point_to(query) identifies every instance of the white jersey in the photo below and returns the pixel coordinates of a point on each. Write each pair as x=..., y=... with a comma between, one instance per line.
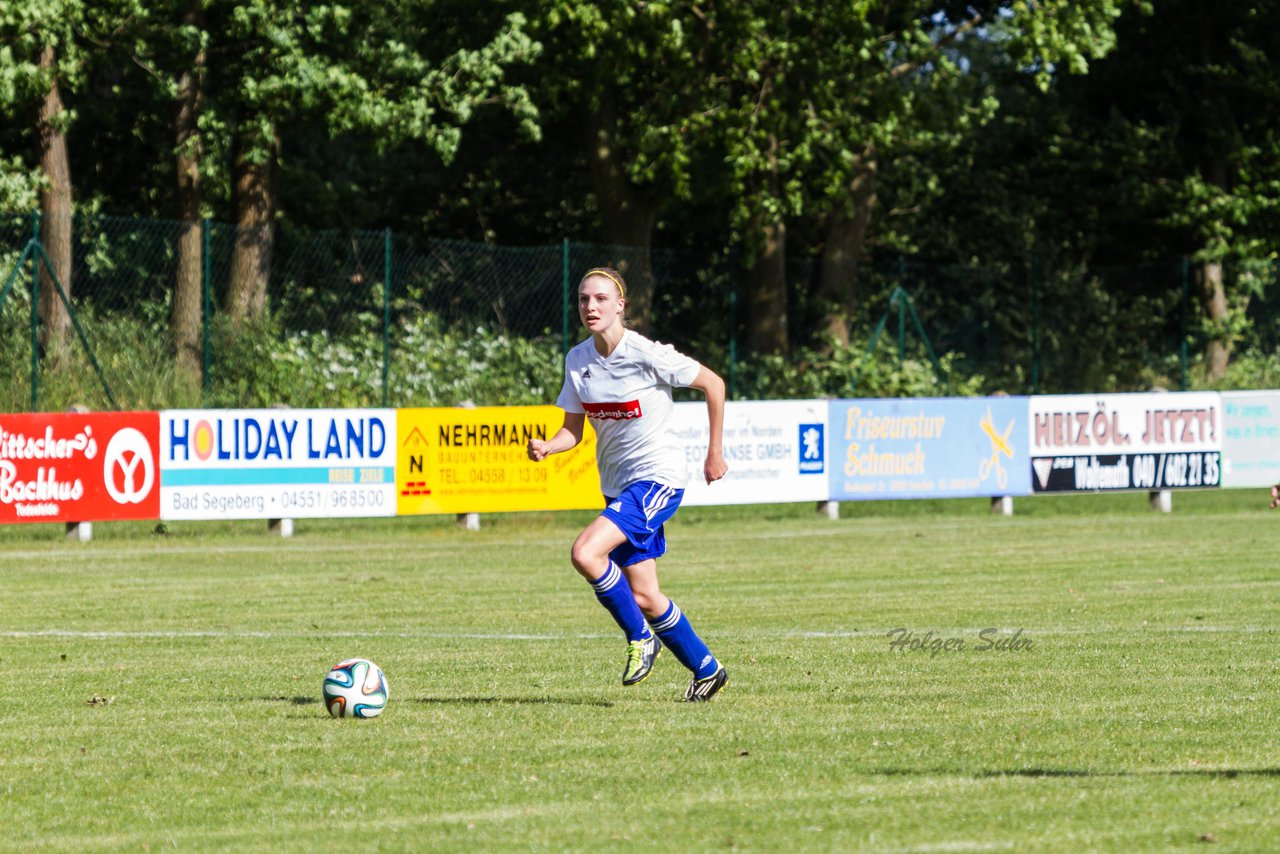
x=627, y=396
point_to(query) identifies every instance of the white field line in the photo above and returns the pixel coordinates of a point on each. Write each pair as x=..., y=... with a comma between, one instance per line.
x=798, y=634
x=395, y=544
x=102, y=552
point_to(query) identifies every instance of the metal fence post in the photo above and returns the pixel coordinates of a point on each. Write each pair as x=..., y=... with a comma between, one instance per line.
x=733, y=327
x=1182, y=344
x=902, y=313
x=386, y=313
x=1033, y=281
x=564, y=297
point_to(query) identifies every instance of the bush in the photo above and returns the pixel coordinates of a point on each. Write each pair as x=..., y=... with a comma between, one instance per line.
x=430, y=365
x=847, y=372
x=133, y=354
x=433, y=364
x=1246, y=370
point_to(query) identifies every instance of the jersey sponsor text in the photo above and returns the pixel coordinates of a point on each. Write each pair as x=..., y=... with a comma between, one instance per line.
x=620, y=411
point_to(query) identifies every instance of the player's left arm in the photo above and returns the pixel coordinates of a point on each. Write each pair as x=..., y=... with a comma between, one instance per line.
x=709, y=383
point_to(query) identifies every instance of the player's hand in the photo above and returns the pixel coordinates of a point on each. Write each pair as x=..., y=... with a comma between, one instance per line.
x=1275, y=496
x=537, y=449
x=715, y=467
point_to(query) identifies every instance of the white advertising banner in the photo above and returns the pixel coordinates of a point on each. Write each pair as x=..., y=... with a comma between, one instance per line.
x=277, y=463
x=1103, y=442
x=776, y=451
x=1251, y=450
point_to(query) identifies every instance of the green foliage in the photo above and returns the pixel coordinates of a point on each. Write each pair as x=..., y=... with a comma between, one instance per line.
x=434, y=363
x=646, y=71
x=1249, y=369
x=135, y=360
x=851, y=372
x=431, y=365
x=395, y=71
x=988, y=142
x=26, y=28
x=437, y=366
x=18, y=185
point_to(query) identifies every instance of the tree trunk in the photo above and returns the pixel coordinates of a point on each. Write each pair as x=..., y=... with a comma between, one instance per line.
x=55, y=211
x=255, y=230
x=188, y=288
x=1213, y=302
x=766, y=277
x=1213, y=293
x=627, y=213
x=766, y=281
x=846, y=237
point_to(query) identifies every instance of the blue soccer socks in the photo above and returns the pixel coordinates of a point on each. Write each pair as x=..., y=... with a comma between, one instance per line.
x=672, y=628
x=615, y=595
x=677, y=634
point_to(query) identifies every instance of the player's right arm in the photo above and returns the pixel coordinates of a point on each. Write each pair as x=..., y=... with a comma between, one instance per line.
x=566, y=438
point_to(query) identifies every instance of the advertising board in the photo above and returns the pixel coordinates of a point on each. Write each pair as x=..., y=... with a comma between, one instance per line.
x=474, y=461
x=78, y=467
x=1251, y=441
x=927, y=448
x=776, y=451
x=1110, y=442
x=277, y=463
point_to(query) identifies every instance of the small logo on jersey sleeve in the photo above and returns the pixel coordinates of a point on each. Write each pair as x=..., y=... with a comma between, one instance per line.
x=812, y=451
x=586, y=373
x=620, y=411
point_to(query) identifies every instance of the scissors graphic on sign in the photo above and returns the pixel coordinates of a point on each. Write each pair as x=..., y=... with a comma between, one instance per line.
x=999, y=445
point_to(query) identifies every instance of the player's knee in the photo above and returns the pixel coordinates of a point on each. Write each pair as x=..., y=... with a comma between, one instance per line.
x=648, y=601
x=586, y=560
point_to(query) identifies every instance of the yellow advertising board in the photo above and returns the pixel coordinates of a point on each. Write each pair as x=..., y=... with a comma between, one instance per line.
x=474, y=461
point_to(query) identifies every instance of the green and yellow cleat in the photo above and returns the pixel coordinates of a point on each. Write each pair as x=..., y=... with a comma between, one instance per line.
x=641, y=655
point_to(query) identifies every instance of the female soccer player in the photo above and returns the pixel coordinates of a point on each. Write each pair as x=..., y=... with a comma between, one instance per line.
x=622, y=381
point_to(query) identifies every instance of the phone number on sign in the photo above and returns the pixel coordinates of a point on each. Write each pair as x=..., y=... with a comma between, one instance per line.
x=1155, y=471
x=332, y=499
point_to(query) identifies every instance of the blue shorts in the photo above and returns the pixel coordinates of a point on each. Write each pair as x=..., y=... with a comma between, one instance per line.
x=639, y=512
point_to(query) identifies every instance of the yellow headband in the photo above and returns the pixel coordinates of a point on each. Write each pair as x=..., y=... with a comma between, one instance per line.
x=601, y=271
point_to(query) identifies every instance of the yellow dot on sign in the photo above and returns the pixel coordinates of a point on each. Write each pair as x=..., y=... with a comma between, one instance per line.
x=203, y=440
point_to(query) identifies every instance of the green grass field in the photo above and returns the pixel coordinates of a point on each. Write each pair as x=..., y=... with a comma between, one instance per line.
x=163, y=689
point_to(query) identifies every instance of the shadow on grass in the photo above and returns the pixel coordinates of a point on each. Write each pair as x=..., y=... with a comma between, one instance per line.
x=511, y=701
x=464, y=701
x=1224, y=773
x=297, y=701
x=1050, y=773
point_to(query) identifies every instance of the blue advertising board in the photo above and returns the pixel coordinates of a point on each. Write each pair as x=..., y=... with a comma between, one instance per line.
x=928, y=448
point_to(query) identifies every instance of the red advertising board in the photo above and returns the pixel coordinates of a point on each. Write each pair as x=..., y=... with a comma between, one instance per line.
x=72, y=467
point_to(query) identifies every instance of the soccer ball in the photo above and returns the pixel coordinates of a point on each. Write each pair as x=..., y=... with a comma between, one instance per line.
x=355, y=688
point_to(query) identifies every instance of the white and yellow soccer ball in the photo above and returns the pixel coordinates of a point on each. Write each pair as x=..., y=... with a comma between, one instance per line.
x=355, y=688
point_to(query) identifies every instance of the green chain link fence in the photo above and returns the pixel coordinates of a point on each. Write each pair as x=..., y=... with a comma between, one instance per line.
x=370, y=318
